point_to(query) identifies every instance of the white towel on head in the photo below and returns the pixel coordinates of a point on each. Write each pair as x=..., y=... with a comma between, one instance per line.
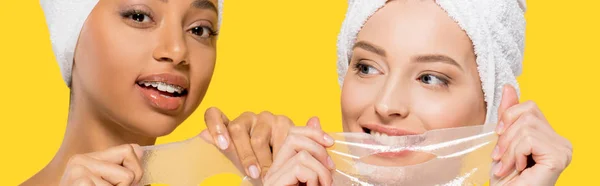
x=496, y=28
x=65, y=19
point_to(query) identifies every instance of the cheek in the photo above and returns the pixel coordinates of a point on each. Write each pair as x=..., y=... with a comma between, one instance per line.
x=114, y=63
x=109, y=58
x=446, y=110
x=202, y=64
x=355, y=99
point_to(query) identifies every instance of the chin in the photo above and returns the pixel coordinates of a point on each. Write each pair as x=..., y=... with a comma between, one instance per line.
x=154, y=126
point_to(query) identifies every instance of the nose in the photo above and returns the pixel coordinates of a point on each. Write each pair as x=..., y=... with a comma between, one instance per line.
x=393, y=102
x=172, y=46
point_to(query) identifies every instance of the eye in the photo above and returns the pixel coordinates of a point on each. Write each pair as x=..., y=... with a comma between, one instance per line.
x=433, y=80
x=202, y=31
x=138, y=17
x=366, y=69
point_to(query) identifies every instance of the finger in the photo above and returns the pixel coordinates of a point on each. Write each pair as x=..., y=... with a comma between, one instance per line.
x=314, y=122
x=298, y=143
x=514, y=113
x=100, y=182
x=305, y=175
x=112, y=173
x=216, y=123
x=308, y=160
x=127, y=155
x=260, y=140
x=515, y=181
x=507, y=144
x=547, y=167
x=279, y=132
x=314, y=173
x=519, y=128
x=315, y=134
x=294, y=176
x=90, y=181
x=527, y=124
x=239, y=129
x=74, y=172
x=543, y=153
x=324, y=174
x=318, y=150
x=520, y=149
x=78, y=175
x=509, y=99
x=85, y=181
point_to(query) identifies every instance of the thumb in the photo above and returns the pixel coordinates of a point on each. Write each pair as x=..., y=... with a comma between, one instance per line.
x=509, y=99
x=314, y=123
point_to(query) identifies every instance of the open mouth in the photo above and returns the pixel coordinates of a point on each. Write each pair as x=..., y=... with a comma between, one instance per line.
x=163, y=88
x=165, y=92
x=379, y=137
x=385, y=135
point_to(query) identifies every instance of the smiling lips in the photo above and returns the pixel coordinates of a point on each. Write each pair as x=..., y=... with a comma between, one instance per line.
x=381, y=134
x=166, y=92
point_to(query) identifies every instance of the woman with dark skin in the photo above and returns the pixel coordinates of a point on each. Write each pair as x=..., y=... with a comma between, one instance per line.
x=141, y=67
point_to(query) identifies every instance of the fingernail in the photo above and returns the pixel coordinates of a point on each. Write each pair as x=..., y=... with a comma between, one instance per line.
x=500, y=127
x=253, y=171
x=328, y=139
x=495, y=152
x=330, y=162
x=497, y=168
x=222, y=142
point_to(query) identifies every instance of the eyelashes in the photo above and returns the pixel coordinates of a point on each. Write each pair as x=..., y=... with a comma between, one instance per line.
x=141, y=17
x=138, y=17
x=204, y=31
x=430, y=79
x=364, y=69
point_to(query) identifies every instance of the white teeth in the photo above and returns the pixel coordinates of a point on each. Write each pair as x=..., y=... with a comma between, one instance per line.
x=164, y=87
x=170, y=89
x=382, y=138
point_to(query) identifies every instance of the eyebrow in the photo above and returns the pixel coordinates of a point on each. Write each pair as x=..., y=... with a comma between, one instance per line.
x=205, y=4
x=369, y=47
x=201, y=4
x=436, y=58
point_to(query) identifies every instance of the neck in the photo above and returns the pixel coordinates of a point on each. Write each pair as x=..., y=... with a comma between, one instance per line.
x=88, y=130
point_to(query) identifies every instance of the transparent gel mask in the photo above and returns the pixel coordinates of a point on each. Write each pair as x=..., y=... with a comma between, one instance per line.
x=452, y=156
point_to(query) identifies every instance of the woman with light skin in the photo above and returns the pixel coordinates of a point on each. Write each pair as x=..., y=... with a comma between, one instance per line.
x=139, y=69
x=412, y=68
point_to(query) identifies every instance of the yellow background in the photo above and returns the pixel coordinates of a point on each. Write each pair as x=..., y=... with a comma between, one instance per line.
x=280, y=56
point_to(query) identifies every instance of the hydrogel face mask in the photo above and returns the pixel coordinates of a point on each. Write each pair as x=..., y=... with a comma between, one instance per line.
x=452, y=156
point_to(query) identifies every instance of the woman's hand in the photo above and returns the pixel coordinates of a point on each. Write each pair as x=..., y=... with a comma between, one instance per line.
x=303, y=158
x=256, y=138
x=114, y=166
x=524, y=134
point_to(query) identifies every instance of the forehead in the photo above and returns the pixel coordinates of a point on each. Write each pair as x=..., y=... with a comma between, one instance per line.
x=411, y=27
